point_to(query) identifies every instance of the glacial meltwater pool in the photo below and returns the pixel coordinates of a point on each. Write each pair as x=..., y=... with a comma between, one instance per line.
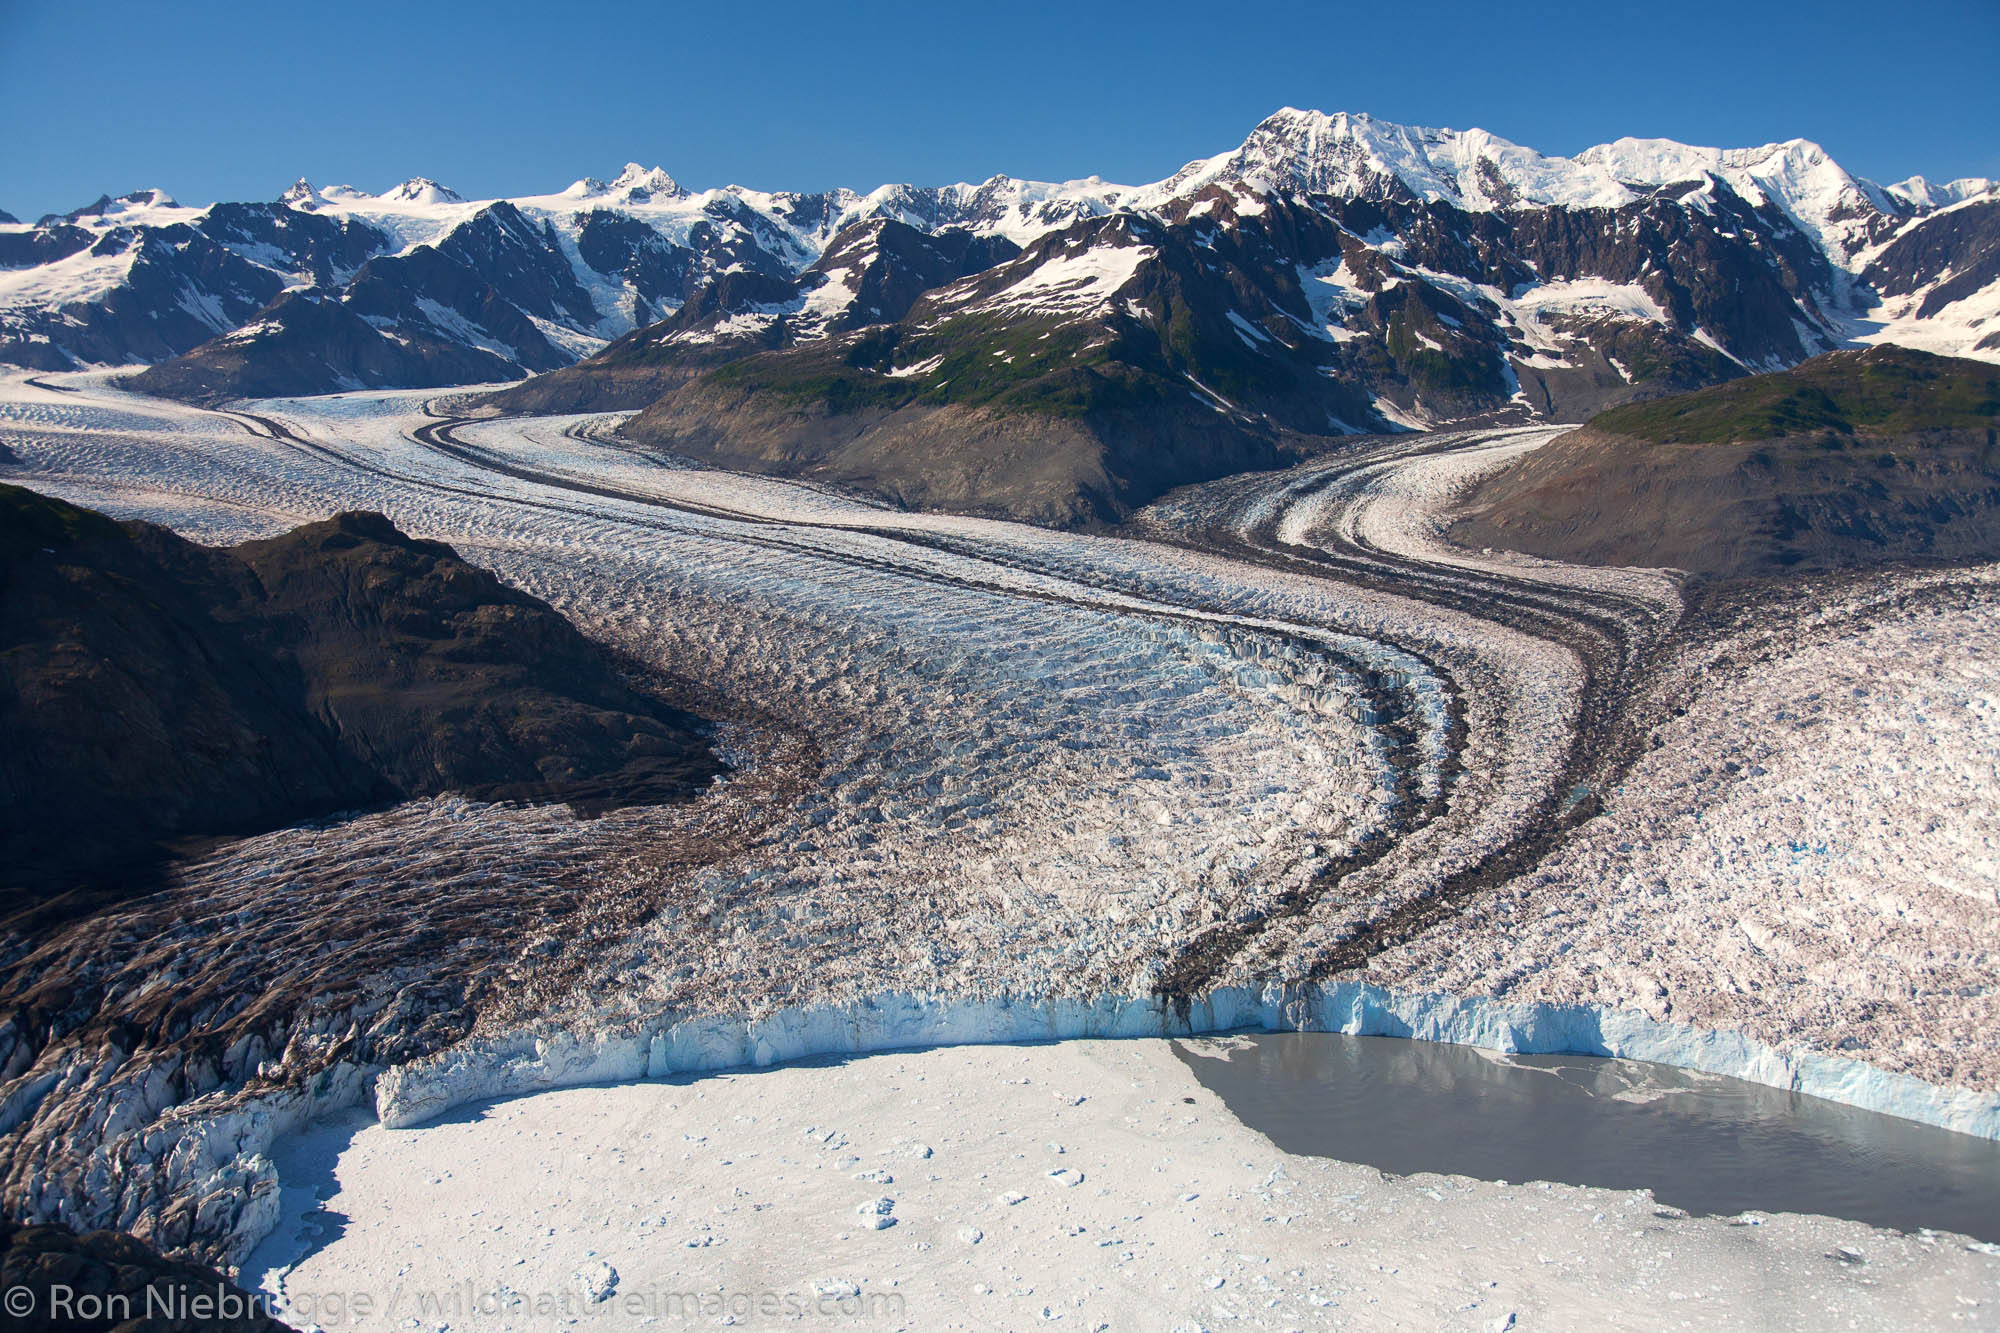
x=1701, y=1142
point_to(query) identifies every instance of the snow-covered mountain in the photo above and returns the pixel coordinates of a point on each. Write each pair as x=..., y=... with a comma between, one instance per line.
x=1569, y=281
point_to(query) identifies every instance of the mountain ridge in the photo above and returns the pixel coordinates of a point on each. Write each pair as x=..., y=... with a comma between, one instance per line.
x=1330, y=275
x=642, y=243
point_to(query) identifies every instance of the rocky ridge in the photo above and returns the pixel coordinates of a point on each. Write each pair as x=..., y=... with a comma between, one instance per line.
x=155, y=691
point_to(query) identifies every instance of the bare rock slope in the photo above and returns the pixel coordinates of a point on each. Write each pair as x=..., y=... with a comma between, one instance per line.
x=155, y=690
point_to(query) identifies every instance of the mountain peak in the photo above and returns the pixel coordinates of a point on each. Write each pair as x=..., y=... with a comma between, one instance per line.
x=635, y=185
x=147, y=199
x=1354, y=155
x=640, y=183
x=1797, y=175
x=1925, y=195
x=1358, y=156
x=302, y=196
x=104, y=206
x=1668, y=161
x=422, y=190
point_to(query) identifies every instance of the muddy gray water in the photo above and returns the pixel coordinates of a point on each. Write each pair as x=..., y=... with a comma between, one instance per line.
x=1698, y=1141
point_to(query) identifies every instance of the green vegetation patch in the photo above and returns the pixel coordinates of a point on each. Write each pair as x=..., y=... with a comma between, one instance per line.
x=1883, y=391
x=818, y=376
x=1041, y=367
x=1427, y=367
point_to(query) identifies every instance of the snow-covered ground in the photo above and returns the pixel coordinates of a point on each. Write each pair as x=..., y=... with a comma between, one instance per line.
x=1089, y=1185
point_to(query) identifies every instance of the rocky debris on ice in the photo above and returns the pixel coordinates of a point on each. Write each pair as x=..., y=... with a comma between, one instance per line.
x=1806, y=855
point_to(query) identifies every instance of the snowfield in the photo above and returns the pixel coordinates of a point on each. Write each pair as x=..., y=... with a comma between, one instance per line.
x=1284, y=757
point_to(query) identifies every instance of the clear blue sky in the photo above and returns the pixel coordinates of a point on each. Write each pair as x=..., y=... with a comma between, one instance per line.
x=226, y=100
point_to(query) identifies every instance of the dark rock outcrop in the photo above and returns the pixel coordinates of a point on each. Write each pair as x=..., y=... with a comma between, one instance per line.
x=428, y=318
x=330, y=250
x=501, y=249
x=308, y=342
x=179, y=289
x=152, y=690
x=1956, y=254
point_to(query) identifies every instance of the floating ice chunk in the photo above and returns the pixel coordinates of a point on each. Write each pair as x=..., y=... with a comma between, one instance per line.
x=598, y=1281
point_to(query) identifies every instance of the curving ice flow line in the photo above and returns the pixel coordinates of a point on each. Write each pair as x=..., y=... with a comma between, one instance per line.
x=1377, y=515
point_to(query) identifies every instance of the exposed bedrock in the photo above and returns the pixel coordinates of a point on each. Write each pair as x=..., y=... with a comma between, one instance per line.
x=155, y=690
